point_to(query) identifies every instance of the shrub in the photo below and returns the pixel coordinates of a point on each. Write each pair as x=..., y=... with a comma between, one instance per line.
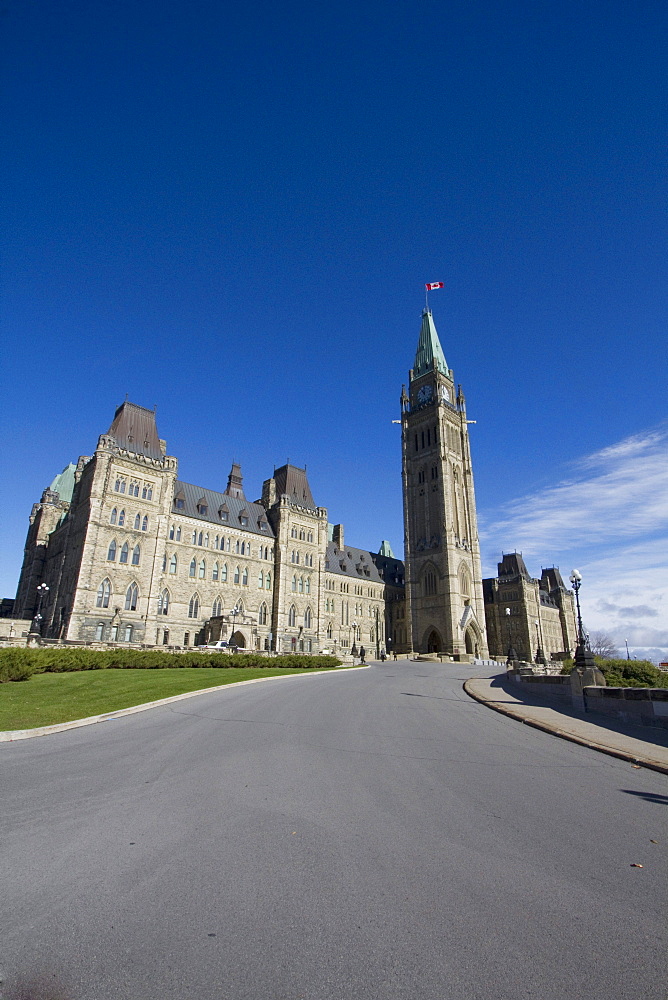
x=14, y=666
x=627, y=673
x=24, y=661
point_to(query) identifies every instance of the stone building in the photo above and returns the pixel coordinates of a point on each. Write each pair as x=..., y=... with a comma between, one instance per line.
x=131, y=553
x=528, y=615
x=444, y=606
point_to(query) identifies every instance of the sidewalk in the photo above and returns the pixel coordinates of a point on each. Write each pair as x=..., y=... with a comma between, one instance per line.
x=607, y=735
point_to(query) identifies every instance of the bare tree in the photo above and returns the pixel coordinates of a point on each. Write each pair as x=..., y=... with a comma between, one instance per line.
x=602, y=645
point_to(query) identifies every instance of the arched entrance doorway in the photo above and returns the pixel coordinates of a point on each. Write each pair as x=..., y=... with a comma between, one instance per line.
x=238, y=640
x=471, y=640
x=434, y=642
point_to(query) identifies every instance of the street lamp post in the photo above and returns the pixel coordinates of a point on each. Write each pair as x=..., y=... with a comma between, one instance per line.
x=377, y=636
x=540, y=656
x=583, y=654
x=36, y=627
x=628, y=655
x=512, y=652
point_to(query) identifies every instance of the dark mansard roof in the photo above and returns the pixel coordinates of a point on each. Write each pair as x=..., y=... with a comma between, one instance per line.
x=134, y=430
x=292, y=482
x=360, y=565
x=220, y=509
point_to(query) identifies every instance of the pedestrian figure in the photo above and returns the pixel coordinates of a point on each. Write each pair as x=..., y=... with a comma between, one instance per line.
x=362, y=654
x=395, y=654
x=383, y=657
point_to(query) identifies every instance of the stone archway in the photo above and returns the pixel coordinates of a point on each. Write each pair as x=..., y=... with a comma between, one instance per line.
x=434, y=642
x=469, y=640
x=238, y=639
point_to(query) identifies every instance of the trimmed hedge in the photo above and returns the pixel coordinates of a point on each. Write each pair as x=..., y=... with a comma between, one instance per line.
x=20, y=664
x=627, y=673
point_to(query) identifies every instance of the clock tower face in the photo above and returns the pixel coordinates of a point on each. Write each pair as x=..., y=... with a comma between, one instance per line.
x=425, y=394
x=445, y=394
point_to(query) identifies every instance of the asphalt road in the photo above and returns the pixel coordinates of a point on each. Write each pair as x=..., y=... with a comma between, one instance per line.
x=373, y=835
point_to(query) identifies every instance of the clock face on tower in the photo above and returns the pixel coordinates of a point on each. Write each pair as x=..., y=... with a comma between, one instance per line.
x=424, y=394
x=445, y=394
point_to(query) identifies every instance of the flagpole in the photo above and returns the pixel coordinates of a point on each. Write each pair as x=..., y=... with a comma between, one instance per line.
x=426, y=297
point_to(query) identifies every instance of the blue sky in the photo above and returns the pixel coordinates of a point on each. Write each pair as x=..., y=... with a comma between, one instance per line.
x=230, y=211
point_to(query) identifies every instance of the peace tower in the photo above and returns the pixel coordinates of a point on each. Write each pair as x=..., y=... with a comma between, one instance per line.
x=444, y=599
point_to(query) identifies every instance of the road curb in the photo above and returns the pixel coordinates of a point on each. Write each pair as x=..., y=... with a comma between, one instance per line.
x=13, y=735
x=563, y=734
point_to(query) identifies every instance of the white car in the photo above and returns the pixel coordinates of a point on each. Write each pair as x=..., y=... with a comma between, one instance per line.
x=221, y=646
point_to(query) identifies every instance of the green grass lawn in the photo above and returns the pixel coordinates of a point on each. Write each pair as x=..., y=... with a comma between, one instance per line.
x=49, y=698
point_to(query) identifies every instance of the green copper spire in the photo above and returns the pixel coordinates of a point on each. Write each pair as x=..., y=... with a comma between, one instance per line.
x=429, y=354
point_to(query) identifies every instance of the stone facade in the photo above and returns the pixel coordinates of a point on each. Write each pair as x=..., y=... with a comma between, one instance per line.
x=527, y=614
x=444, y=610
x=132, y=554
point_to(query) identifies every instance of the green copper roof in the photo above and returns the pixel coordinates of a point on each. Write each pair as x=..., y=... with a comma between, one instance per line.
x=429, y=354
x=386, y=550
x=63, y=484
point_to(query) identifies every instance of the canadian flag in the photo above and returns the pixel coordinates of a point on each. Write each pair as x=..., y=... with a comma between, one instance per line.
x=431, y=285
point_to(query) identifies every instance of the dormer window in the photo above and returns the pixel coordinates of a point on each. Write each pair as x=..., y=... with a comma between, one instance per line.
x=243, y=518
x=223, y=513
x=262, y=525
x=202, y=507
x=179, y=501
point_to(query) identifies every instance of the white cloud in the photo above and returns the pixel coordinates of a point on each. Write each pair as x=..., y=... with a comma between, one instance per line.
x=610, y=519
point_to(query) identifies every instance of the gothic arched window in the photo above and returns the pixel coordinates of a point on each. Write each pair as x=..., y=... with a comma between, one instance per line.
x=244, y=578
x=193, y=606
x=111, y=554
x=307, y=618
x=131, y=597
x=144, y=524
x=103, y=594
x=192, y=571
x=114, y=515
x=121, y=519
x=124, y=553
x=136, y=553
x=137, y=522
x=292, y=616
x=173, y=563
x=215, y=572
x=217, y=608
x=202, y=569
x=262, y=614
x=163, y=603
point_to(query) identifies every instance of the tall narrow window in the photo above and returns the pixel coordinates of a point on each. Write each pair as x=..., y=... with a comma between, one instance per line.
x=217, y=609
x=214, y=573
x=124, y=553
x=178, y=534
x=144, y=524
x=267, y=583
x=300, y=585
x=128, y=633
x=292, y=616
x=131, y=597
x=99, y=632
x=294, y=584
x=260, y=580
x=173, y=564
x=262, y=614
x=163, y=603
x=121, y=519
x=202, y=569
x=307, y=585
x=136, y=553
x=244, y=578
x=192, y=571
x=137, y=522
x=114, y=515
x=199, y=538
x=111, y=554
x=237, y=575
x=171, y=533
x=223, y=573
x=103, y=594
x=193, y=606
x=307, y=618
